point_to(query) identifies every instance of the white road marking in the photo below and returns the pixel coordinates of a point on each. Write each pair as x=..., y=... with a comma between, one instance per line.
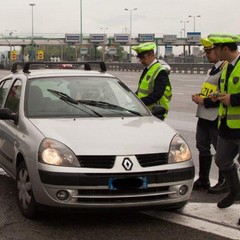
x=205, y=217
x=180, y=93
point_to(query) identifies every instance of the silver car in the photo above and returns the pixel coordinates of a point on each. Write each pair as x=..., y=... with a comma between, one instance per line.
x=80, y=138
x=165, y=65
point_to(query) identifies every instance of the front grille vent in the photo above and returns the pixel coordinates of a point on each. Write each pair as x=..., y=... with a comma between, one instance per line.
x=107, y=162
x=96, y=161
x=151, y=160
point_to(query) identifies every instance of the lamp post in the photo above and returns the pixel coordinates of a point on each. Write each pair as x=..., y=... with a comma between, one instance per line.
x=181, y=32
x=130, y=50
x=104, y=29
x=184, y=27
x=10, y=32
x=194, y=17
x=81, y=35
x=103, y=49
x=81, y=22
x=32, y=52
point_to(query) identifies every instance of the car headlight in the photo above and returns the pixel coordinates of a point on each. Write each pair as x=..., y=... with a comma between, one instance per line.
x=53, y=152
x=179, y=150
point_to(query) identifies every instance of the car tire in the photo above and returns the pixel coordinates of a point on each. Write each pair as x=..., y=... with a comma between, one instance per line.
x=25, y=197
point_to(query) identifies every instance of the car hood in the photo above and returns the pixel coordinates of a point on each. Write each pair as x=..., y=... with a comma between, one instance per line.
x=109, y=136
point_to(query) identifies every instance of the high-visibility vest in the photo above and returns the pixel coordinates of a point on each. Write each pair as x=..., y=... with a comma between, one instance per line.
x=147, y=85
x=232, y=114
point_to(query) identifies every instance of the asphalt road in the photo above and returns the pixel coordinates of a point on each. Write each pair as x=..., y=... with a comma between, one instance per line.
x=200, y=219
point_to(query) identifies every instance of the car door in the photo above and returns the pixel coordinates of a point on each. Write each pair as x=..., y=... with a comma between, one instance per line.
x=9, y=129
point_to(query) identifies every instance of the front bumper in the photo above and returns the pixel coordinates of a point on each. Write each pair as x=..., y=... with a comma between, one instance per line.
x=96, y=190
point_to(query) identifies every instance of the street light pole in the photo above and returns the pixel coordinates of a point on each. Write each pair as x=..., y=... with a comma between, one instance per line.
x=104, y=29
x=81, y=35
x=194, y=17
x=81, y=21
x=32, y=5
x=10, y=32
x=184, y=27
x=103, y=49
x=130, y=49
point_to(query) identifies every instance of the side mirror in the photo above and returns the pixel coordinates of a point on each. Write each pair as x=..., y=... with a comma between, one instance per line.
x=158, y=111
x=6, y=114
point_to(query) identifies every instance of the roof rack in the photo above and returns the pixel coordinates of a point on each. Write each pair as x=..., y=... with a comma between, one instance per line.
x=87, y=65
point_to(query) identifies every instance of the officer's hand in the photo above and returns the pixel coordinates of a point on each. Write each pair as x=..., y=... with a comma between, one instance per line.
x=213, y=97
x=197, y=99
x=225, y=99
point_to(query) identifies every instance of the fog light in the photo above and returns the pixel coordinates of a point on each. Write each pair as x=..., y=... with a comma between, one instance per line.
x=183, y=190
x=62, y=195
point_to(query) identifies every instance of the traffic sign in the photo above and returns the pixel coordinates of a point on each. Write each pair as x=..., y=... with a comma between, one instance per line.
x=169, y=38
x=112, y=51
x=97, y=38
x=40, y=55
x=194, y=37
x=72, y=38
x=13, y=55
x=84, y=51
x=168, y=50
x=121, y=38
x=146, y=37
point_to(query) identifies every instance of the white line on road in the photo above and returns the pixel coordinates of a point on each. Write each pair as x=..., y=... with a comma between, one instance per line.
x=179, y=93
x=205, y=217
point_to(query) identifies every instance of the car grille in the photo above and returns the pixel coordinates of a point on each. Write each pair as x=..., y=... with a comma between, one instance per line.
x=145, y=160
x=150, y=160
x=123, y=196
x=96, y=161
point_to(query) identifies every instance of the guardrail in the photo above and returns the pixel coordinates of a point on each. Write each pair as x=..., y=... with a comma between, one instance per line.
x=175, y=67
x=190, y=68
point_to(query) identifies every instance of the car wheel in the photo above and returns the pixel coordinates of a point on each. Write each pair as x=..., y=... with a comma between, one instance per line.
x=25, y=196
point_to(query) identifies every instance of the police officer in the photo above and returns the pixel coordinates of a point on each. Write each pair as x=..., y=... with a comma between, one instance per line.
x=228, y=146
x=207, y=131
x=154, y=87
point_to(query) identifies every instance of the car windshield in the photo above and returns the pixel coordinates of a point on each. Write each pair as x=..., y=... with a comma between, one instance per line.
x=82, y=96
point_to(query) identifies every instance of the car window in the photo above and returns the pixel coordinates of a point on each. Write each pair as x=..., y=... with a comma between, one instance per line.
x=4, y=87
x=55, y=97
x=13, y=97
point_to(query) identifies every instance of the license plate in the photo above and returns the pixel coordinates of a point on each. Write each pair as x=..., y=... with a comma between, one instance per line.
x=128, y=183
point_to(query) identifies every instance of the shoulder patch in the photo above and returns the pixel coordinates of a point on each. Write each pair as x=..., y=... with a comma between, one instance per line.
x=235, y=80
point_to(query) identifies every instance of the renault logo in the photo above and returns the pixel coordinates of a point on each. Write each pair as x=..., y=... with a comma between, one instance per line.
x=127, y=164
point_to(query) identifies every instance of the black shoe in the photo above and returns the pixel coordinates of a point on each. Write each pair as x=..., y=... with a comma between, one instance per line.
x=220, y=187
x=229, y=200
x=199, y=185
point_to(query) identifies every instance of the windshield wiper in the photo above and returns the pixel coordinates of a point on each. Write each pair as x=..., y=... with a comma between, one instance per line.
x=68, y=99
x=63, y=96
x=107, y=106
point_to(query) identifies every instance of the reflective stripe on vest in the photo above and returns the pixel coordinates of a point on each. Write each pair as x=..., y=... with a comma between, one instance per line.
x=231, y=113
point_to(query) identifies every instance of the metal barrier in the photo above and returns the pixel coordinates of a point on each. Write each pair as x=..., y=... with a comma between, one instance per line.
x=190, y=67
x=175, y=67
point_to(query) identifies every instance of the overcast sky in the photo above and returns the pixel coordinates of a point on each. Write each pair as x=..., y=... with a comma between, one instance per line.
x=152, y=16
